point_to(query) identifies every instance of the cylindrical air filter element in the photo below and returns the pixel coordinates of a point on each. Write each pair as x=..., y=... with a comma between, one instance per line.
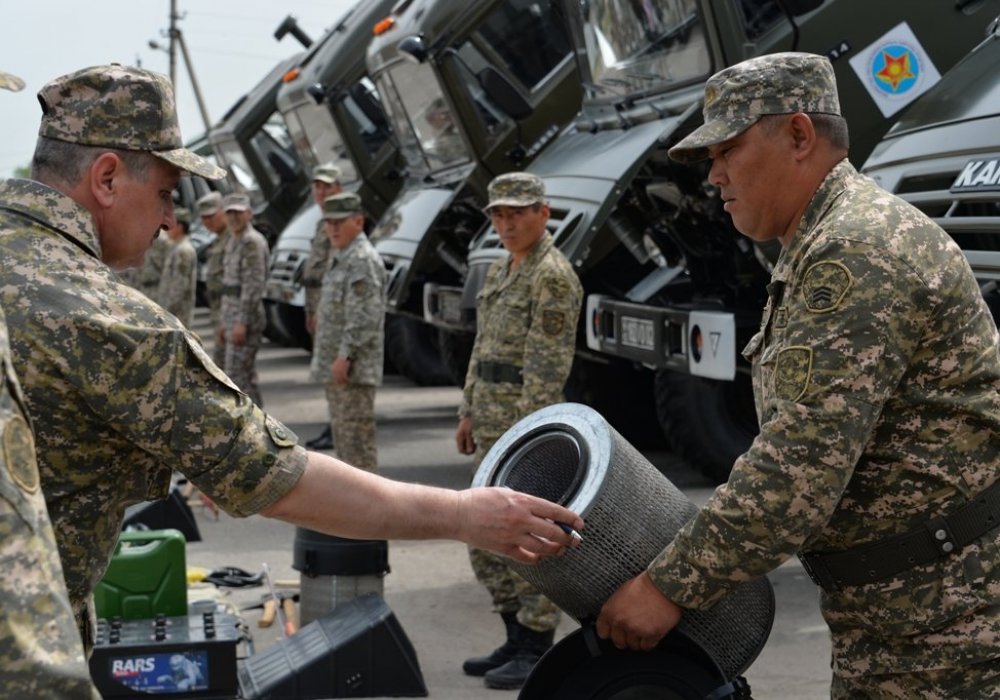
x=568, y=454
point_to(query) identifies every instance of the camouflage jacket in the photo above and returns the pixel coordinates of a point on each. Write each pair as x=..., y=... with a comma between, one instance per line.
x=213, y=276
x=179, y=279
x=315, y=267
x=40, y=650
x=244, y=274
x=876, y=374
x=148, y=276
x=121, y=393
x=350, y=320
x=526, y=318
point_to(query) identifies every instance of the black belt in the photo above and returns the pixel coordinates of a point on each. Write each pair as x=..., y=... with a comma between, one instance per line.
x=937, y=538
x=499, y=372
x=231, y=290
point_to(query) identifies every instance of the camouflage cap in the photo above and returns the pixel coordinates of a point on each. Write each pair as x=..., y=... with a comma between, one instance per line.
x=120, y=107
x=327, y=172
x=209, y=204
x=342, y=206
x=10, y=82
x=738, y=96
x=236, y=201
x=515, y=190
x=183, y=215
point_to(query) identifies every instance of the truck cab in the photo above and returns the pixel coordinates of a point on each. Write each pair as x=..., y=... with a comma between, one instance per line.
x=673, y=291
x=332, y=113
x=472, y=90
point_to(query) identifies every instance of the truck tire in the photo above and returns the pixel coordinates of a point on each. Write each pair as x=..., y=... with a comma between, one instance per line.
x=708, y=423
x=456, y=351
x=620, y=393
x=412, y=348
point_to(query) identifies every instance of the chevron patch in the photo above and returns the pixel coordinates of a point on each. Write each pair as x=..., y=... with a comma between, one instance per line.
x=825, y=285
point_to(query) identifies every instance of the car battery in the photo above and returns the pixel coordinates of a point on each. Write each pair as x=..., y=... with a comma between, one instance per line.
x=193, y=656
x=147, y=576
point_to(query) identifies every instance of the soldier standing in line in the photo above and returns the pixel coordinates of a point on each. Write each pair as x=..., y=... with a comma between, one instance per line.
x=243, y=278
x=149, y=273
x=325, y=183
x=40, y=650
x=350, y=331
x=214, y=219
x=877, y=380
x=526, y=317
x=180, y=271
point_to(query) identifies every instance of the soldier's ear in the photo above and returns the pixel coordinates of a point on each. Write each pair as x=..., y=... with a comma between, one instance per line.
x=104, y=178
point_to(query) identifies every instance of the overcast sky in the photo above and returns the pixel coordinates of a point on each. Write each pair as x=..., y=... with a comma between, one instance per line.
x=231, y=44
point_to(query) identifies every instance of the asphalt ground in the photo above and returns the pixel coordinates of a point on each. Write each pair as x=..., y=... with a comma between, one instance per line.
x=430, y=589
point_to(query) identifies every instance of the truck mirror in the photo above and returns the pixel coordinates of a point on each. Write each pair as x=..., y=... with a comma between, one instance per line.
x=800, y=7
x=412, y=49
x=503, y=93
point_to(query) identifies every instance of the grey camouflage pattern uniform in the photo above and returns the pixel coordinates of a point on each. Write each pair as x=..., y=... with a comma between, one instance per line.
x=350, y=323
x=526, y=318
x=40, y=650
x=178, y=283
x=121, y=393
x=876, y=376
x=315, y=267
x=149, y=275
x=245, y=264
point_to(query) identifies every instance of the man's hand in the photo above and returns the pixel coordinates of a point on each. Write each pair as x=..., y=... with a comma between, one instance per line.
x=463, y=436
x=340, y=369
x=238, y=336
x=515, y=524
x=638, y=615
x=311, y=324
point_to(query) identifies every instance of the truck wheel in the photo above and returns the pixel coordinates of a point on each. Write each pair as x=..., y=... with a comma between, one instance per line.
x=456, y=351
x=708, y=423
x=620, y=393
x=413, y=350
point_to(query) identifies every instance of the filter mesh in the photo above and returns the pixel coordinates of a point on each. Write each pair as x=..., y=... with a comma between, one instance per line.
x=569, y=454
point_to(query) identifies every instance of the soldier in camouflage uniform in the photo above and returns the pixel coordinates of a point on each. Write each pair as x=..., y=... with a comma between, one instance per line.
x=40, y=650
x=148, y=275
x=350, y=331
x=526, y=317
x=123, y=394
x=325, y=183
x=214, y=219
x=180, y=271
x=244, y=275
x=877, y=381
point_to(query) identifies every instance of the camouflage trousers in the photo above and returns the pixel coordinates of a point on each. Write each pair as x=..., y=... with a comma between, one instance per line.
x=352, y=424
x=975, y=682
x=240, y=363
x=509, y=591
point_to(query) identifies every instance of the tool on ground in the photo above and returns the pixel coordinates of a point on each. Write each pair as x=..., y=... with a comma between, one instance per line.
x=284, y=609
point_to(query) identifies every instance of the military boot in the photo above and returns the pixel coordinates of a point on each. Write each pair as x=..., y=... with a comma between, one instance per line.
x=531, y=645
x=479, y=665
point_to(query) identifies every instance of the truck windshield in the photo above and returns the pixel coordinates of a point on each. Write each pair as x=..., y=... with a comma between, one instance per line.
x=424, y=124
x=318, y=140
x=639, y=46
x=239, y=170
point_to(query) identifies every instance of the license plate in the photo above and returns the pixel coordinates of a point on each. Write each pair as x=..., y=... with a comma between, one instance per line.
x=637, y=333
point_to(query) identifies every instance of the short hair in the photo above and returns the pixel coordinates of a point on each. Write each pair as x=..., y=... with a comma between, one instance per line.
x=831, y=127
x=61, y=161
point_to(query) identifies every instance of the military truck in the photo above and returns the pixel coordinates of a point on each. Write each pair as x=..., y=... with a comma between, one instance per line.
x=943, y=157
x=254, y=146
x=472, y=90
x=673, y=291
x=331, y=110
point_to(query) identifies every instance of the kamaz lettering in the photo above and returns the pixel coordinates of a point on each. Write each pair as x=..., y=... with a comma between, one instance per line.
x=978, y=175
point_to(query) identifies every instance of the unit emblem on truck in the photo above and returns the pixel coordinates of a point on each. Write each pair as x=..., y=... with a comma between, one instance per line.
x=978, y=174
x=895, y=69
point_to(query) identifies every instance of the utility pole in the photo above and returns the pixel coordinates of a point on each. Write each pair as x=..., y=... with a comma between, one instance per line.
x=174, y=31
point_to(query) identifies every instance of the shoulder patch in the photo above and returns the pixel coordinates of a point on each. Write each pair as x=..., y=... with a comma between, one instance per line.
x=359, y=287
x=19, y=454
x=553, y=321
x=825, y=285
x=792, y=371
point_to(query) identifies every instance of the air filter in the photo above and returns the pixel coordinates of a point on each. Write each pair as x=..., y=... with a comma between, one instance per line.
x=568, y=453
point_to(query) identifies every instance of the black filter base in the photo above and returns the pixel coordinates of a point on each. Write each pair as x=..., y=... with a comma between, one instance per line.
x=359, y=650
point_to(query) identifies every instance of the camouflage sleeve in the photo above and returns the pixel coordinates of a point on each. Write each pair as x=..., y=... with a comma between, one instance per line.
x=363, y=308
x=175, y=285
x=550, y=342
x=465, y=407
x=828, y=381
x=253, y=277
x=315, y=267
